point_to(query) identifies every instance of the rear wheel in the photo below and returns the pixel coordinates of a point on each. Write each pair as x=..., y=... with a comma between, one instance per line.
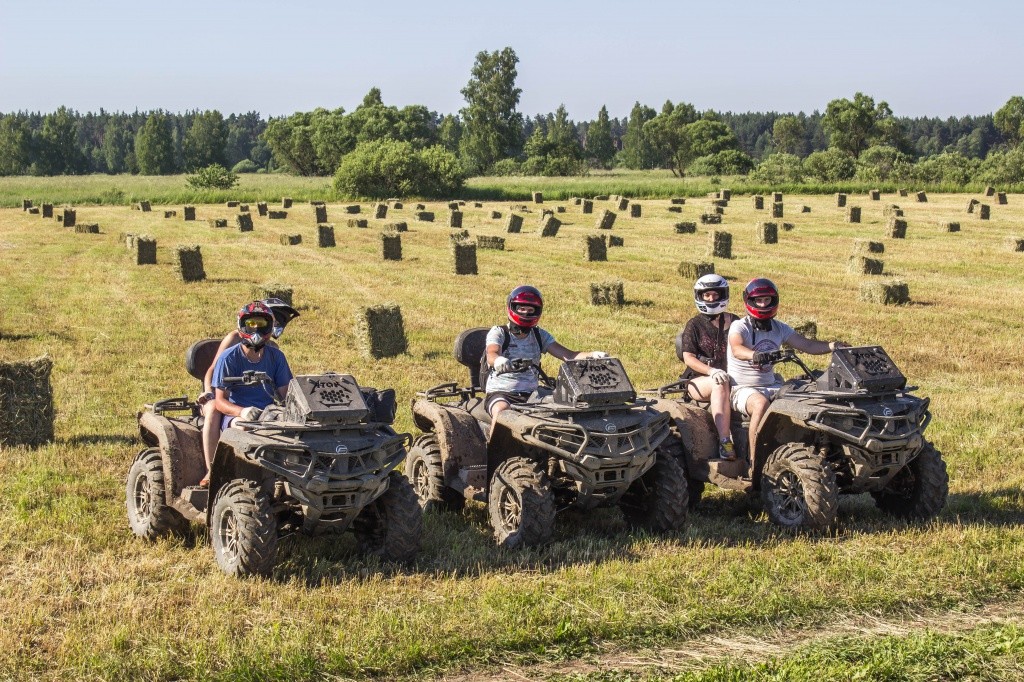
x=425, y=471
x=390, y=526
x=798, y=488
x=149, y=515
x=521, y=504
x=658, y=500
x=919, y=490
x=243, y=530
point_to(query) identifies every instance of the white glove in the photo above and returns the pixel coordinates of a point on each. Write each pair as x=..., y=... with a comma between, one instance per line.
x=500, y=364
x=598, y=354
x=719, y=376
x=250, y=414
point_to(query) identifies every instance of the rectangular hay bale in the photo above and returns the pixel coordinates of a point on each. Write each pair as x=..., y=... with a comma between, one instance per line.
x=261, y=208
x=400, y=226
x=897, y=228
x=679, y=201
x=867, y=246
x=549, y=226
x=853, y=214
x=1015, y=244
x=488, y=242
x=320, y=214
x=145, y=250
x=692, y=271
x=244, y=222
x=514, y=223
x=47, y=210
x=984, y=211
x=170, y=214
x=286, y=202
x=767, y=233
x=1001, y=198
x=685, y=228
x=863, y=265
x=284, y=292
x=380, y=211
x=758, y=202
x=889, y=292
x=424, y=216
x=87, y=228
x=777, y=209
x=596, y=247
x=538, y=197
x=635, y=210
x=325, y=236
x=291, y=239
x=615, y=241
x=840, y=200
x=217, y=222
x=922, y=197
x=391, y=246
x=710, y=219
x=455, y=218
x=352, y=209
x=26, y=403
x=950, y=227
x=189, y=263
x=721, y=244
x=464, y=257
x=380, y=332
x=607, y=293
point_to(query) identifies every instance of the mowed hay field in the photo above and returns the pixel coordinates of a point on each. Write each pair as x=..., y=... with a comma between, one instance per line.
x=80, y=597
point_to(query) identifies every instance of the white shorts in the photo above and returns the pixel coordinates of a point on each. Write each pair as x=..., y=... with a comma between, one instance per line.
x=740, y=395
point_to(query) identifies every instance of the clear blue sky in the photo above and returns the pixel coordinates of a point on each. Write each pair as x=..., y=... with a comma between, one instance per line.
x=926, y=58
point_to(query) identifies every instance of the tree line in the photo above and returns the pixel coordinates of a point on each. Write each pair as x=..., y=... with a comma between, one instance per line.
x=854, y=137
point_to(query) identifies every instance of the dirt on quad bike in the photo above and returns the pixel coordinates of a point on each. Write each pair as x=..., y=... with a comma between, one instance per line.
x=323, y=462
x=854, y=428
x=581, y=441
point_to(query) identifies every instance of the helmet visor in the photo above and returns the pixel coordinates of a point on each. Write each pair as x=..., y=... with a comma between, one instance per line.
x=257, y=324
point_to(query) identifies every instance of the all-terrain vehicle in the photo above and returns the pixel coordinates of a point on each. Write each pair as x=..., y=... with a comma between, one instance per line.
x=323, y=462
x=581, y=441
x=854, y=428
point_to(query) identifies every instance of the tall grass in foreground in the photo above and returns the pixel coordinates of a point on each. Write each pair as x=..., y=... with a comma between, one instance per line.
x=81, y=598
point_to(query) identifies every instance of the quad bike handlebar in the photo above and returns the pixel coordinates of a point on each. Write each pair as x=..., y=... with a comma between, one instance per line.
x=248, y=378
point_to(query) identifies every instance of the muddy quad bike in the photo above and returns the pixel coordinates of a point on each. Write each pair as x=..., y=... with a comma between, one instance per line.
x=581, y=441
x=324, y=462
x=854, y=428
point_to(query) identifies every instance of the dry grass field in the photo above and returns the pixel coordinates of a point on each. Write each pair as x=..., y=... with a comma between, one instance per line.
x=81, y=598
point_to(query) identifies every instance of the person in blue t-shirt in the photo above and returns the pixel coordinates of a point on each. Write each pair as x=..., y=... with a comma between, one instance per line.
x=255, y=327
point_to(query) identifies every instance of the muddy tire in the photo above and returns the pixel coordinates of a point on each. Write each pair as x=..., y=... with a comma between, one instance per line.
x=425, y=472
x=521, y=504
x=149, y=515
x=243, y=530
x=798, y=488
x=390, y=527
x=659, y=500
x=694, y=491
x=918, y=492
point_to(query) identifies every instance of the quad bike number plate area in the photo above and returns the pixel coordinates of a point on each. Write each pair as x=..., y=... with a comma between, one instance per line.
x=593, y=382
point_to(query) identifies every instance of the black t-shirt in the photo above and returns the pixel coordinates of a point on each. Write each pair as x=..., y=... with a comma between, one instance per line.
x=707, y=338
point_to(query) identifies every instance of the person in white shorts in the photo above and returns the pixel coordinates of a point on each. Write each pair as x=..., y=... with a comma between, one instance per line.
x=754, y=344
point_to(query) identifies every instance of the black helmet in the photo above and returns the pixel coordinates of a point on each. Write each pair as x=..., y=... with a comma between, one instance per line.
x=283, y=314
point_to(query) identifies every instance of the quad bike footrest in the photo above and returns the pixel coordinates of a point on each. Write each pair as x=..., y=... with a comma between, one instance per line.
x=196, y=496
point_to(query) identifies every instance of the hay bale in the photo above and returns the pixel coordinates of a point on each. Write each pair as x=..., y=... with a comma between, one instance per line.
x=971, y=204
x=776, y=196
x=514, y=223
x=587, y=206
x=188, y=262
x=549, y=226
x=243, y=208
x=47, y=210
x=922, y=198
x=391, y=246
x=233, y=204
x=455, y=218
x=576, y=201
x=601, y=197
x=805, y=327
x=32, y=210
x=26, y=402
x=397, y=205
x=424, y=216
x=606, y=220
x=675, y=209
x=1001, y=198
x=805, y=209
x=840, y=200
x=685, y=228
x=607, y=293
x=718, y=210
x=144, y=247
x=26, y=204
x=352, y=209
x=320, y=214
x=87, y=228
x=453, y=206
x=170, y=214
x=325, y=236
x=677, y=201
x=867, y=246
x=464, y=257
x=68, y=217
x=495, y=215
x=984, y=211
x=897, y=228
x=458, y=235
x=244, y=222
x=950, y=227
x=1015, y=243
x=721, y=244
x=559, y=209
x=538, y=197
x=261, y=292
x=596, y=247
x=400, y=226
x=889, y=292
x=710, y=219
x=615, y=241
x=261, y=208
x=286, y=202
x=767, y=233
x=892, y=210
x=217, y=222
x=758, y=202
x=488, y=242
x=725, y=194
x=277, y=215
x=380, y=211
x=128, y=239
x=990, y=191
x=720, y=203
x=902, y=192
x=634, y=210
x=358, y=222
x=875, y=194
x=291, y=239
x=145, y=206
x=777, y=210
x=380, y=332
x=787, y=227
x=477, y=204
x=692, y=271
x=862, y=265
x=622, y=204
x=317, y=202
x=853, y=214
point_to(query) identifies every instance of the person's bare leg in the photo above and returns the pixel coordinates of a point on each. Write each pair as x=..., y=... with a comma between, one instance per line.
x=757, y=405
x=211, y=434
x=497, y=408
x=720, y=410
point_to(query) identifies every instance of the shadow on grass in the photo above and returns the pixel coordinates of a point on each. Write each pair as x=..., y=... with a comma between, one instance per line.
x=97, y=439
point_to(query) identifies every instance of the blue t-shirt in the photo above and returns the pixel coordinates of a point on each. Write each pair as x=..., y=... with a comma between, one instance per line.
x=526, y=347
x=232, y=363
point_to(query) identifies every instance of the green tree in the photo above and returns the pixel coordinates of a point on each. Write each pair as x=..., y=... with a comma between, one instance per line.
x=637, y=149
x=449, y=133
x=15, y=144
x=830, y=165
x=669, y=132
x=778, y=169
x=154, y=146
x=854, y=125
x=788, y=135
x=882, y=162
x=1009, y=120
x=384, y=168
x=600, y=149
x=332, y=137
x=205, y=141
x=214, y=176
x=116, y=147
x=58, y=150
x=291, y=142
x=562, y=140
x=492, y=128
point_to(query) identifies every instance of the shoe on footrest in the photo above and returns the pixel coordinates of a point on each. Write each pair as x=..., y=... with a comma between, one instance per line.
x=726, y=451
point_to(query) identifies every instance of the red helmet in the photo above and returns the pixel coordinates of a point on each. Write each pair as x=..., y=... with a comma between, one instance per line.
x=255, y=324
x=524, y=296
x=759, y=288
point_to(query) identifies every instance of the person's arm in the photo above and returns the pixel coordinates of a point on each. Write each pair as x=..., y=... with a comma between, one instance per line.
x=493, y=353
x=812, y=346
x=228, y=341
x=739, y=350
x=562, y=353
x=694, y=363
x=225, y=406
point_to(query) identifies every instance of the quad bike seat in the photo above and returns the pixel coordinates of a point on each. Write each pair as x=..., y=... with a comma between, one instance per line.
x=469, y=348
x=199, y=356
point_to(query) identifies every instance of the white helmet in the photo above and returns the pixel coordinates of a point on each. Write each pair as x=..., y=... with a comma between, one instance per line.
x=711, y=283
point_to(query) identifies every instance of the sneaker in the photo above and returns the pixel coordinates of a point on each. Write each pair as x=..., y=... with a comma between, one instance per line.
x=726, y=451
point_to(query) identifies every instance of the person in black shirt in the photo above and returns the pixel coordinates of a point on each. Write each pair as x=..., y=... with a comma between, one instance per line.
x=705, y=339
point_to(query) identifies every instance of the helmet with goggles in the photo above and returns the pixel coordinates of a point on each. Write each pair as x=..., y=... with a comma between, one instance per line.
x=255, y=324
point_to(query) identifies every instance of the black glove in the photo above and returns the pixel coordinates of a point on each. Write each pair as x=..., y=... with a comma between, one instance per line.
x=766, y=357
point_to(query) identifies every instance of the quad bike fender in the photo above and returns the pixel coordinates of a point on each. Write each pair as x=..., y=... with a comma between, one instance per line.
x=696, y=432
x=777, y=427
x=463, y=447
x=181, y=450
x=229, y=464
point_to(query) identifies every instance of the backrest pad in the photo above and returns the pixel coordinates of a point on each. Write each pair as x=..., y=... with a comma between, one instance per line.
x=199, y=356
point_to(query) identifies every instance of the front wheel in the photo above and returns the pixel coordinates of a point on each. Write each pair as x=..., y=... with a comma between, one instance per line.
x=658, y=500
x=149, y=515
x=918, y=491
x=390, y=526
x=243, y=530
x=798, y=488
x=521, y=504
x=424, y=469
